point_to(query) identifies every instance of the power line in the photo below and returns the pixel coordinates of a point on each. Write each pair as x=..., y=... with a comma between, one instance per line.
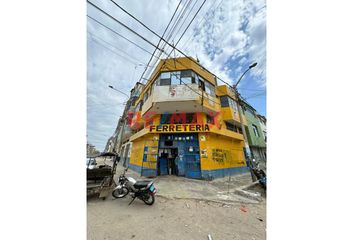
x=178, y=19
x=143, y=23
x=186, y=17
x=159, y=35
x=137, y=60
x=170, y=32
x=248, y=89
x=204, y=18
x=200, y=7
x=174, y=47
x=120, y=35
x=256, y=95
x=122, y=24
x=160, y=39
x=165, y=39
x=134, y=63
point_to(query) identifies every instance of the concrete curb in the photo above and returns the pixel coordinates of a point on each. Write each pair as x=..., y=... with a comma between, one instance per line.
x=223, y=202
x=250, y=195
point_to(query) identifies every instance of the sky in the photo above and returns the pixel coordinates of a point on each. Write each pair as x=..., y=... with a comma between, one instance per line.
x=226, y=36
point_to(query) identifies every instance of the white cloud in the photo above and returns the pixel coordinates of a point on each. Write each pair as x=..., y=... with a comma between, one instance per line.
x=236, y=29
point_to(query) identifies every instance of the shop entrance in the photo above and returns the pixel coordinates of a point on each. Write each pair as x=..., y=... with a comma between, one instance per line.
x=167, y=164
x=178, y=154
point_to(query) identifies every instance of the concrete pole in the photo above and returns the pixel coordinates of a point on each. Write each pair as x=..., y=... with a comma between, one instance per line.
x=248, y=151
x=237, y=95
x=247, y=148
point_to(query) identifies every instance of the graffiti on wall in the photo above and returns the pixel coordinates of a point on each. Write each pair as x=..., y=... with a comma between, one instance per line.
x=219, y=155
x=223, y=156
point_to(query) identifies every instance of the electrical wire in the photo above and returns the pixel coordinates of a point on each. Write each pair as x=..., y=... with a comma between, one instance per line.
x=248, y=89
x=120, y=35
x=148, y=27
x=171, y=31
x=256, y=95
x=186, y=18
x=128, y=55
x=161, y=39
x=204, y=18
x=178, y=20
x=169, y=35
x=107, y=48
x=122, y=24
x=174, y=47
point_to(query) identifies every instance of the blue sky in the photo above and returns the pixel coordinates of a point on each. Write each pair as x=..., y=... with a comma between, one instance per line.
x=226, y=36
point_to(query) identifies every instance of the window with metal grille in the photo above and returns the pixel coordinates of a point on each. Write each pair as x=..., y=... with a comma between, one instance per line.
x=224, y=101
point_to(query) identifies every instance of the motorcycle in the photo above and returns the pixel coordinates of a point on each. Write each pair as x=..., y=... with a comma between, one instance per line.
x=143, y=190
x=259, y=173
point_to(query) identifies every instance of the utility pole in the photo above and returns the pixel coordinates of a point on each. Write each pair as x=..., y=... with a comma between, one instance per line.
x=238, y=101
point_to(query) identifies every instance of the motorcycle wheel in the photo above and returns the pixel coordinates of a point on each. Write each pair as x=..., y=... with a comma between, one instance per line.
x=120, y=193
x=148, y=199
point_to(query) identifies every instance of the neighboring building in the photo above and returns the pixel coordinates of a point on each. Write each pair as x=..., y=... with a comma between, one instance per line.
x=109, y=144
x=263, y=123
x=91, y=150
x=184, y=124
x=256, y=130
x=123, y=132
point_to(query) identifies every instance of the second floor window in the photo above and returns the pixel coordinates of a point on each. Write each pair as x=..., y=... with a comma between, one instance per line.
x=255, y=130
x=209, y=88
x=224, y=100
x=231, y=127
x=176, y=78
x=187, y=77
x=165, y=79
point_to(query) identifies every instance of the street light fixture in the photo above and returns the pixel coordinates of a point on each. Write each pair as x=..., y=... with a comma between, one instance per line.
x=249, y=68
x=252, y=65
x=110, y=86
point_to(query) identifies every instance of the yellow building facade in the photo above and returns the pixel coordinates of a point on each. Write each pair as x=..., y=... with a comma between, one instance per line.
x=185, y=124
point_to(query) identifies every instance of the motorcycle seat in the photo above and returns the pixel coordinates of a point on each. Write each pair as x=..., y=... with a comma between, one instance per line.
x=141, y=184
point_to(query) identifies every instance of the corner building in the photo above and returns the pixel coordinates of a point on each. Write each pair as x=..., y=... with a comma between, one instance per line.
x=184, y=124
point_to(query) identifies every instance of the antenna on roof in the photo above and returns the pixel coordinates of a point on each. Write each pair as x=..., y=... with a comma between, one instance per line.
x=197, y=58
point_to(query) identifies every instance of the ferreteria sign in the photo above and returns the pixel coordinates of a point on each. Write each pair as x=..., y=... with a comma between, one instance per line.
x=169, y=128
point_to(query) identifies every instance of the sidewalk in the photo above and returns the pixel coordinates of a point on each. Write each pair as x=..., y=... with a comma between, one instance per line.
x=220, y=190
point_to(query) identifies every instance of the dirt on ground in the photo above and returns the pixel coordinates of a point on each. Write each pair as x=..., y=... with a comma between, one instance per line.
x=174, y=219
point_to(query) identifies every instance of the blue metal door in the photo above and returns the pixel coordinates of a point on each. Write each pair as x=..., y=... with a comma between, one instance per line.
x=188, y=159
x=163, y=166
x=193, y=166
